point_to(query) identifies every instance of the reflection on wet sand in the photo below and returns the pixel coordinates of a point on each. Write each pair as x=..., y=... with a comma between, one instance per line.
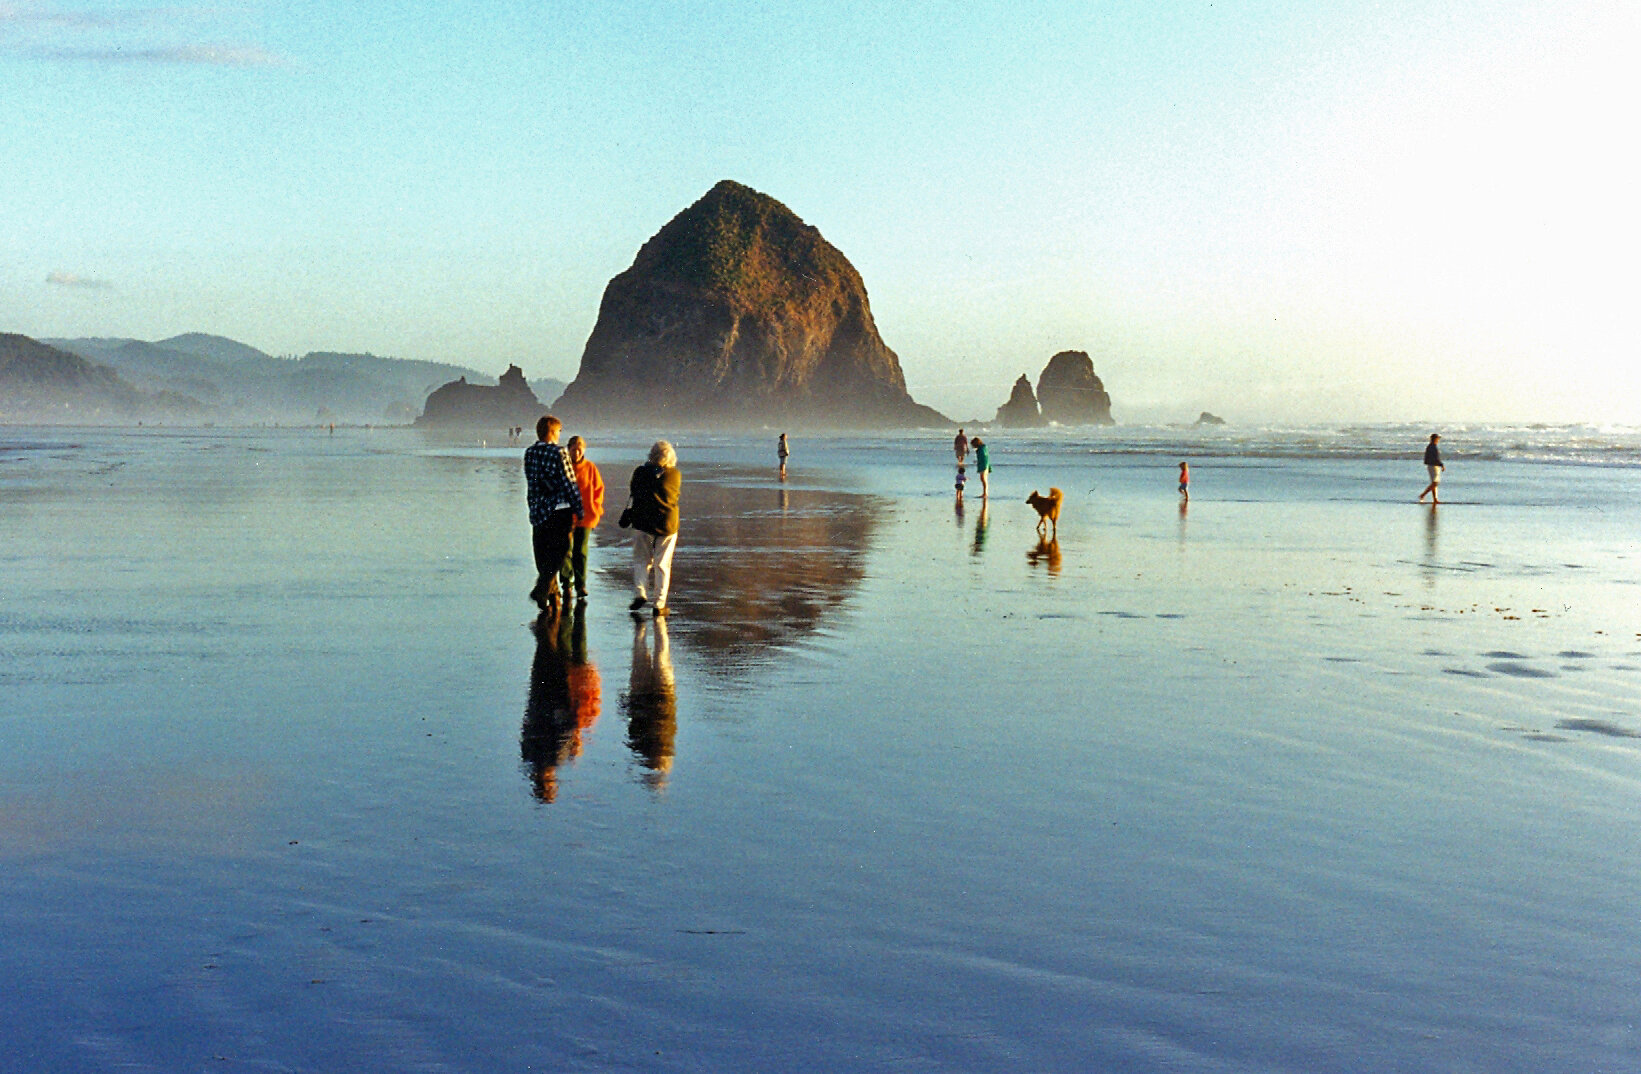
x=1432, y=564
x=1047, y=553
x=651, y=702
x=980, y=528
x=751, y=577
x=565, y=699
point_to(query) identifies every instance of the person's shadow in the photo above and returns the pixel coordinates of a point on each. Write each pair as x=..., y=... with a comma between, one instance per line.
x=651, y=703
x=564, y=701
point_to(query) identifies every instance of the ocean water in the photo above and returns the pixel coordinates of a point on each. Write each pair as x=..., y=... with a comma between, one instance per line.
x=1300, y=776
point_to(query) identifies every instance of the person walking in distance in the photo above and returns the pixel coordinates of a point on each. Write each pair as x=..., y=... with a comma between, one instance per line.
x=555, y=504
x=591, y=484
x=1185, y=481
x=782, y=451
x=961, y=446
x=652, y=512
x=1434, y=466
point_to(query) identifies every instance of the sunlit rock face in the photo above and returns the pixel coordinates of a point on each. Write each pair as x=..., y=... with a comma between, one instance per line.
x=510, y=402
x=1069, y=393
x=1020, y=412
x=738, y=314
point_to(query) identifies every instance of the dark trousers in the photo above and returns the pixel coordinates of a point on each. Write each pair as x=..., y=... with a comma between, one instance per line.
x=550, y=541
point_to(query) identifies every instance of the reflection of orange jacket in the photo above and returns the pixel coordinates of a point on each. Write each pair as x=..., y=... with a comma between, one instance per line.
x=592, y=493
x=587, y=694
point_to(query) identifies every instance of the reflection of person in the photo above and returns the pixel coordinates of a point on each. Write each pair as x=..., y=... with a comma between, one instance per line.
x=555, y=504
x=1434, y=466
x=980, y=526
x=549, y=736
x=982, y=466
x=961, y=447
x=783, y=451
x=1185, y=480
x=651, y=704
x=591, y=484
x=1432, y=564
x=653, y=513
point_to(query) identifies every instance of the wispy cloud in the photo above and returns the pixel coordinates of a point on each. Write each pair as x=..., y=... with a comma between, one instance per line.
x=82, y=283
x=200, y=55
x=12, y=14
x=101, y=33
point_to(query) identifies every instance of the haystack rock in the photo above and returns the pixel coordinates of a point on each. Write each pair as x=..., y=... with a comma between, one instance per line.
x=1070, y=393
x=510, y=402
x=737, y=313
x=1020, y=412
x=1205, y=418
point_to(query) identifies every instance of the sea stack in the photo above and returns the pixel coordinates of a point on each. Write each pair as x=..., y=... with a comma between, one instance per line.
x=738, y=314
x=509, y=402
x=1020, y=412
x=1069, y=392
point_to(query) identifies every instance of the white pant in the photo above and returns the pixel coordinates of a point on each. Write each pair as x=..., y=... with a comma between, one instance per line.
x=652, y=557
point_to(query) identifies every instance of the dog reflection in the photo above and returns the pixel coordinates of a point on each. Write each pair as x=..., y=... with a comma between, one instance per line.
x=564, y=702
x=651, y=703
x=1047, y=553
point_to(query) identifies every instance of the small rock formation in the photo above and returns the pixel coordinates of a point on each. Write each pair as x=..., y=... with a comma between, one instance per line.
x=509, y=403
x=1206, y=418
x=1020, y=412
x=737, y=313
x=1070, y=393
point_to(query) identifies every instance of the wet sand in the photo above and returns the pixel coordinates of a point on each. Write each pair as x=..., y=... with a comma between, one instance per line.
x=1300, y=777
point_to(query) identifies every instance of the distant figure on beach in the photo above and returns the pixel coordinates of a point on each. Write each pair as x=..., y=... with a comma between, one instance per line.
x=1185, y=480
x=591, y=484
x=1434, y=466
x=782, y=451
x=982, y=466
x=555, y=504
x=652, y=512
x=961, y=446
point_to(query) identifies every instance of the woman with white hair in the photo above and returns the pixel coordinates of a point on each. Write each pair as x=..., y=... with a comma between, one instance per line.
x=652, y=512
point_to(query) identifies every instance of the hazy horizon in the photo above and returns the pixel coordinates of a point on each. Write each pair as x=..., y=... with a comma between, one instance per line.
x=1413, y=211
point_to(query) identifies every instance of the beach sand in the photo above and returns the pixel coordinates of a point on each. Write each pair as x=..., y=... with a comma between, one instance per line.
x=1302, y=777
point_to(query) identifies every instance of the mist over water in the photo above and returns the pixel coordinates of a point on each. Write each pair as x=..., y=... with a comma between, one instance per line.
x=1299, y=775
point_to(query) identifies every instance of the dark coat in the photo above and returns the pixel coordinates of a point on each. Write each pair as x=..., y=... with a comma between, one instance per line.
x=655, y=499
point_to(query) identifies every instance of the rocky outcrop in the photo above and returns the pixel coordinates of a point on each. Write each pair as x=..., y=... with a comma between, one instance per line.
x=1069, y=392
x=1206, y=418
x=1020, y=412
x=510, y=402
x=737, y=313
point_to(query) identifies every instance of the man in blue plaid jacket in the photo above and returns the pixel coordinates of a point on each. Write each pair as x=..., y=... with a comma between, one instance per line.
x=555, y=505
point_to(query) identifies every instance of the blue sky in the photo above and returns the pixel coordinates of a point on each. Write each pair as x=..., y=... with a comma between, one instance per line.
x=1408, y=210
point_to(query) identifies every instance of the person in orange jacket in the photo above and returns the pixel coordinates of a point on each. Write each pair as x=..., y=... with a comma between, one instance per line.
x=591, y=484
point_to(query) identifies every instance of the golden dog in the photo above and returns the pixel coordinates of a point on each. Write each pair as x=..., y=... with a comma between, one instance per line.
x=1048, y=508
